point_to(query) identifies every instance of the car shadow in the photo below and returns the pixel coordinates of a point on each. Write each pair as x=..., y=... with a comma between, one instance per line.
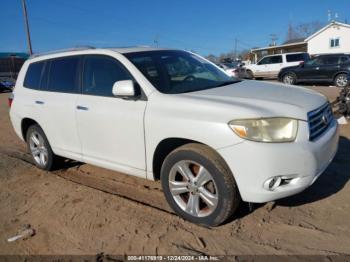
x=64, y=164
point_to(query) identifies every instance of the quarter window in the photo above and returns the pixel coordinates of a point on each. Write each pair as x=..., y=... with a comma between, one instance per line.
x=33, y=76
x=63, y=76
x=100, y=74
x=335, y=42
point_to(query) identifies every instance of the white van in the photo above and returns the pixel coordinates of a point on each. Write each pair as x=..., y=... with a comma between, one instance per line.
x=269, y=66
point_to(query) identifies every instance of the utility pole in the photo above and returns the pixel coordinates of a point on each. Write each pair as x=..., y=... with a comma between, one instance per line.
x=27, y=27
x=235, y=49
x=273, y=39
x=156, y=41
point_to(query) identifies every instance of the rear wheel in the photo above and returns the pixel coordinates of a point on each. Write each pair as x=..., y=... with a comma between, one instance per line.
x=40, y=148
x=341, y=80
x=289, y=79
x=198, y=185
x=250, y=74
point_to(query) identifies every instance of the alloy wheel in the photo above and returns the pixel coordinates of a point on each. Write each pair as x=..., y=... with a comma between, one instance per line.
x=288, y=79
x=38, y=148
x=193, y=188
x=341, y=80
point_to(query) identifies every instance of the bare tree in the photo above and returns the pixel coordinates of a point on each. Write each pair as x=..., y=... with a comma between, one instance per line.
x=302, y=30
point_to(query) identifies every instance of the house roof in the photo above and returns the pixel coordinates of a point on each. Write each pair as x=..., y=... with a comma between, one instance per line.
x=325, y=28
x=278, y=46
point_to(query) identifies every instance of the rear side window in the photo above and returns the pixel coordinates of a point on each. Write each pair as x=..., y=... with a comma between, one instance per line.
x=276, y=59
x=100, y=74
x=295, y=57
x=33, y=76
x=63, y=75
x=331, y=60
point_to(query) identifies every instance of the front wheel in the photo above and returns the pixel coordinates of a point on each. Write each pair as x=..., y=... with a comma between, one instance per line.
x=198, y=185
x=250, y=74
x=341, y=80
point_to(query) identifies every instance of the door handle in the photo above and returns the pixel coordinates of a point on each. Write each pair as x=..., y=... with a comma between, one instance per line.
x=82, y=108
x=317, y=68
x=39, y=102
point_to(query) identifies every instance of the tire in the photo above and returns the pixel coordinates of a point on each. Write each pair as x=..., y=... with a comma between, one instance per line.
x=289, y=79
x=40, y=148
x=341, y=80
x=250, y=74
x=215, y=183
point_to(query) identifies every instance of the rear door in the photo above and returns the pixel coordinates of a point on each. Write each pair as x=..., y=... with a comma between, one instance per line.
x=331, y=65
x=111, y=129
x=56, y=105
x=311, y=70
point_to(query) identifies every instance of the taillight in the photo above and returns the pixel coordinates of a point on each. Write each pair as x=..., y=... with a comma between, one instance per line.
x=10, y=100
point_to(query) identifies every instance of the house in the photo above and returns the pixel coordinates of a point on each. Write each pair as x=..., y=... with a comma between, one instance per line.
x=333, y=38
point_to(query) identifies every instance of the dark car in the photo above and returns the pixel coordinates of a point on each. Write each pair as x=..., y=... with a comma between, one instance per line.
x=331, y=68
x=6, y=84
x=10, y=66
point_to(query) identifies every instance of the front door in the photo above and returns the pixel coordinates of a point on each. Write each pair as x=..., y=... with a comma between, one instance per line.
x=111, y=129
x=269, y=66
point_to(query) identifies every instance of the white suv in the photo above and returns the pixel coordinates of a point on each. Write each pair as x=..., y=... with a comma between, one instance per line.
x=174, y=116
x=269, y=66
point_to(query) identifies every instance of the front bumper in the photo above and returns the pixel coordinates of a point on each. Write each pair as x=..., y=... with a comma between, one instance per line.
x=301, y=162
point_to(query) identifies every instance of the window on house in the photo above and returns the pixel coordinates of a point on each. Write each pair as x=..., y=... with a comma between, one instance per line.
x=334, y=42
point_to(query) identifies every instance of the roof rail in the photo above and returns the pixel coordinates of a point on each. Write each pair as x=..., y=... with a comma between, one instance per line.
x=78, y=48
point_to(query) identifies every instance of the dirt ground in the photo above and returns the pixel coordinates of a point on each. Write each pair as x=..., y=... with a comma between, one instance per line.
x=87, y=210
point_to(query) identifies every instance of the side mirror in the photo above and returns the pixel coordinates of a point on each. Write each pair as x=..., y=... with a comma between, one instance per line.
x=124, y=88
x=302, y=64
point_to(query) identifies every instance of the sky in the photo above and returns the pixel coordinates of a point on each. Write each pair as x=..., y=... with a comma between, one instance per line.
x=204, y=26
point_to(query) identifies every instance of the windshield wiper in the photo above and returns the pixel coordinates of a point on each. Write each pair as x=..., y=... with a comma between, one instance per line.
x=228, y=83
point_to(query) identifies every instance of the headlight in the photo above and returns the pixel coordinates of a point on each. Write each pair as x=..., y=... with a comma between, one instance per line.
x=266, y=129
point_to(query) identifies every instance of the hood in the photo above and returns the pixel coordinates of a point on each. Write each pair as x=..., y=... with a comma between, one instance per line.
x=264, y=99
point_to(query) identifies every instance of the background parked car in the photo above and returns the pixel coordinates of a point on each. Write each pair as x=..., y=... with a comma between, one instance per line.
x=331, y=68
x=6, y=84
x=269, y=66
x=9, y=68
x=234, y=69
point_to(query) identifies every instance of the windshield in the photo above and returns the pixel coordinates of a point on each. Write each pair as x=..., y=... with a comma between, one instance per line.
x=175, y=72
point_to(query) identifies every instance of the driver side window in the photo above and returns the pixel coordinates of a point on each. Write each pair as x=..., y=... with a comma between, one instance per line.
x=100, y=74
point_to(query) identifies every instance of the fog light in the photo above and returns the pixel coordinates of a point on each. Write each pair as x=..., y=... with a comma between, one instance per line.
x=273, y=183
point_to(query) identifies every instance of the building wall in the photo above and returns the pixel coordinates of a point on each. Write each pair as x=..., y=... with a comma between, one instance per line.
x=320, y=44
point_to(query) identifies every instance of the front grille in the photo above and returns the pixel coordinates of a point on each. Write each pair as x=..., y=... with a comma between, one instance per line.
x=319, y=120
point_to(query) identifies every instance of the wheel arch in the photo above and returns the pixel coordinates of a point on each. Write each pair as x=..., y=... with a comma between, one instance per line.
x=163, y=149
x=167, y=145
x=25, y=124
x=251, y=72
x=338, y=73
